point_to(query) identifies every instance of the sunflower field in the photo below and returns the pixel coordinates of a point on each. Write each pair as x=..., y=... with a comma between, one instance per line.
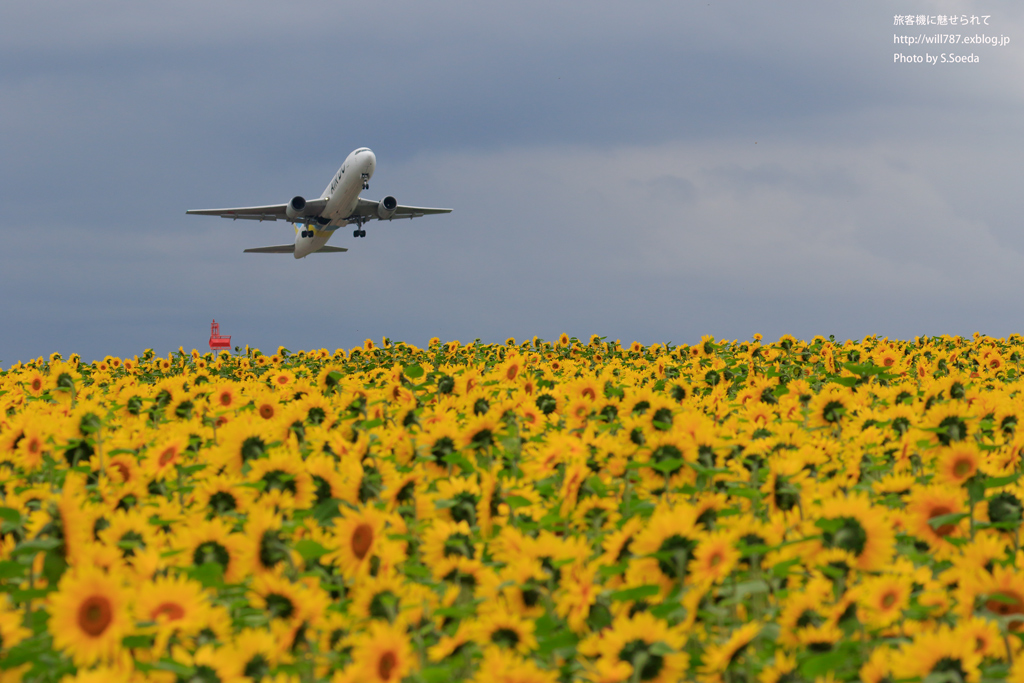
x=524, y=512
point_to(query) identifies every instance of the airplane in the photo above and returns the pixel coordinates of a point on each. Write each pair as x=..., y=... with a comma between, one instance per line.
x=338, y=206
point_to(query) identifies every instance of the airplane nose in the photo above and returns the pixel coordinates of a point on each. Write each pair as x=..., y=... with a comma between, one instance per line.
x=371, y=162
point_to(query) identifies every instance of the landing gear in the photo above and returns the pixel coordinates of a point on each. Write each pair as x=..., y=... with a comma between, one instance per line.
x=305, y=233
x=359, y=233
x=366, y=181
x=366, y=185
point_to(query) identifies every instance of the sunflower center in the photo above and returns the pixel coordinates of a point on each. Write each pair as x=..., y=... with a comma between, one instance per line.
x=951, y=665
x=172, y=610
x=362, y=539
x=888, y=600
x=833, y=411
x=459, y=544
x=225, y=398
x=123, y=469
x=849, y=535
x=1007, y=602
x=222, y=502
x=266, y=411
x=674, y=555
x=386, y=665
x=962, y=467
x=505, y=637
x=211, y=551
x=257, y=668
x=167, y=456
x=279, y=606
x=1004, y=507
x=639, y=652
x=95, y=615
x=37, y=384
x=938, y=511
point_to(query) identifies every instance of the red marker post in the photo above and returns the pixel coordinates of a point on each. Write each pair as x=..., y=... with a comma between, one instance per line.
x=218, y=342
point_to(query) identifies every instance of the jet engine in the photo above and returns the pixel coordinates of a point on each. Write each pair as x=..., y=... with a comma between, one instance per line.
x=296, y=208
x=386, y=207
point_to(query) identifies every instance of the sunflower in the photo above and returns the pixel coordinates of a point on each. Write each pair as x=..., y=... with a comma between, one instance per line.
x=32, y=445
x=266, y=544
x=1004, y=590
x=854, y=525
x=225, y=396
x=445, y=539
x=382, y=654
x=222, y=494
x=828, y=408
x=89, y=614
x=384, y=596
x=719, y=657
x=174, y=604
x=664, y=549
x=957, y=463
x=241, y=441
x=576, y=596
x=11, y=630
x=930, y=502
x=293, y=603
x=359, y=534
x=883, y=599
x=631, y=640
x=287, y=484
x=503, y=627
x=715, y=557
x=935, y=652
x=203, y=541
x=257, y=652
x=166, y=454
x=130, y=532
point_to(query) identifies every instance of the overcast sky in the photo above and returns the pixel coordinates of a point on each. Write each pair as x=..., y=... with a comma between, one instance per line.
x=645, y=171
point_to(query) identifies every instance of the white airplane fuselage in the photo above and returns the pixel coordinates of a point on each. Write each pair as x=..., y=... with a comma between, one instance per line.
x=342, y=195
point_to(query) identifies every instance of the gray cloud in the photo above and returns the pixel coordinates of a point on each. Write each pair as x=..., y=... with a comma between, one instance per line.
x=655, y=173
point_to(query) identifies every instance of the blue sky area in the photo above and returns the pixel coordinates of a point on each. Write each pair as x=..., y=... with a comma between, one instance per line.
x=646, y=171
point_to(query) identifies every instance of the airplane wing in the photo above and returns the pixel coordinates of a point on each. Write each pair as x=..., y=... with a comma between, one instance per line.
x=290, y=249
x=367, y=210
x=274, y=212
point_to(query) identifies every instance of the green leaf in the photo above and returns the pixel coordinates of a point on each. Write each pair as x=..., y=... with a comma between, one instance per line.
x=441, y=673
x=180, y=670
x=54, y=566
x=210, y=574
x=413, y=371
x=996, y=482
x=31, y=594
x=819, y=665
x=33, y=547
x=866, y=369
x=310, y=550
x=138, y=641
x=461, y=461
x=635, y=593
x=668, y=466
x=12, y=570
x=562, y=639
x=951, y=518
x=10, y=515
x=326, y=510
x=516, y=502
x=661, y=649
